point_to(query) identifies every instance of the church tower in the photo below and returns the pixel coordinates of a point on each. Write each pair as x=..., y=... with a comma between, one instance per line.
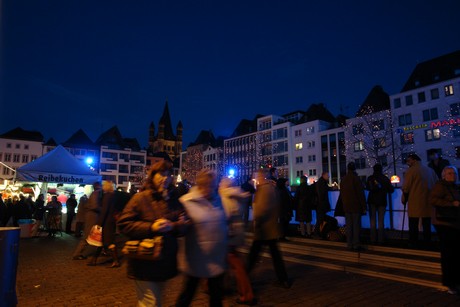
x=166, y=141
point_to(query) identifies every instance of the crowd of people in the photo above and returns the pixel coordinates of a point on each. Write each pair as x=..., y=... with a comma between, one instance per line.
x=212, y=217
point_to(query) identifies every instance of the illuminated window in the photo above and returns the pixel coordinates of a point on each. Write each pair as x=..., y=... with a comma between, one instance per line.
x=298, y=146
x=359, y=146
x=407, y=138
x=310, y=130
x=430, y=114
x=432, y=134
x=449, y=90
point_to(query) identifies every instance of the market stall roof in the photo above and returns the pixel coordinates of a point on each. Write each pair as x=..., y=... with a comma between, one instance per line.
x=57, y=166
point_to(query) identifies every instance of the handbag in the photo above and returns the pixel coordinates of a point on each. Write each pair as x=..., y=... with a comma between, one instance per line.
x=147, y=249
x=95, y=236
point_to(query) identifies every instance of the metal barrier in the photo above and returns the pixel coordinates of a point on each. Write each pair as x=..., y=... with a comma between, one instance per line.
x=9, y=250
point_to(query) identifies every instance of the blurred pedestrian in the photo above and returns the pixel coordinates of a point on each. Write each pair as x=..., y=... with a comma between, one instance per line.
x=445, y=199
x=39, y=212
x=233, y=199
x=92, y=210
x=418, y=182
x=247, y=186
x=71, y=204
x=80, y=217
x=54, y=216
x=354, y=205
x=379, y=186
x=304, y=197
x=106, y=220
x=205, y=241
x=266, y=209
x=155, y=211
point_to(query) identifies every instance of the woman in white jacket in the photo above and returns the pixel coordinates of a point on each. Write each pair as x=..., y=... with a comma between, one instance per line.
x=205, y=241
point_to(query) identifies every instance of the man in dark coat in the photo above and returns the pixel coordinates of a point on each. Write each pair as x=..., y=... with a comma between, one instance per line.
x=323, y=205
x=354, y=205
x=303, y=202
x=71, y=204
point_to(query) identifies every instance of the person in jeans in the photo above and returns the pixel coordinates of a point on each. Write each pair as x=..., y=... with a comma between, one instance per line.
x=379, y=186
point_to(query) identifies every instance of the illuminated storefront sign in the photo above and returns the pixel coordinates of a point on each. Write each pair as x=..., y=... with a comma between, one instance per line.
x=441, y=123
x=409, y=128
x=436, y=124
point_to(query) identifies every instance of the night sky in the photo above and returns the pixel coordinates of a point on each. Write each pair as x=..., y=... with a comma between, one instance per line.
x=67, y=65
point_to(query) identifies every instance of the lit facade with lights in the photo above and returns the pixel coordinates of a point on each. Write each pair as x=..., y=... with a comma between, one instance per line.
x=426, y=118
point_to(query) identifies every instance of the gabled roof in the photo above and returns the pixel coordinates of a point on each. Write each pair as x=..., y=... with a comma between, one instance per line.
x=246, y=126
x=51, y=142
x=377, y=100
x=436, y=70
x=79, y=140
x=112, y=138
x=20, y=134
x=318, y=112
x=204, y=138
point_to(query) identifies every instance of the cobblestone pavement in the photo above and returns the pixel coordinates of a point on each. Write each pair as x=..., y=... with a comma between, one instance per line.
x=48, y=277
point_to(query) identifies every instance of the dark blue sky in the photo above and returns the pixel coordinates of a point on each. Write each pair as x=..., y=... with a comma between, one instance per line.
x=68, y=64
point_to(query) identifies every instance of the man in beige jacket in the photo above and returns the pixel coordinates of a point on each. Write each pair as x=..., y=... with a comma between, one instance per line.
x=418, y=182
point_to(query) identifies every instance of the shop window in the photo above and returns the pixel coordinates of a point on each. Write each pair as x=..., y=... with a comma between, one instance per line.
x=432, y=134
x=421, y=97
x=397, y=103
x=407, y=138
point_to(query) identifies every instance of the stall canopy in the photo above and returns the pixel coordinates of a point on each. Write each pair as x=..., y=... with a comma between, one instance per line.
x=57, y=166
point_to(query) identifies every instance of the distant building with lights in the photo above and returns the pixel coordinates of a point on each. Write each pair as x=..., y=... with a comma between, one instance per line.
x=17, y=148
x=121, y=160
x=427, y=111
